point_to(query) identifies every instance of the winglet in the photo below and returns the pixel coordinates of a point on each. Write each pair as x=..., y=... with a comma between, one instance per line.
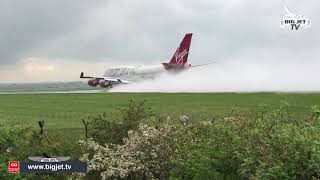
x=82, y=76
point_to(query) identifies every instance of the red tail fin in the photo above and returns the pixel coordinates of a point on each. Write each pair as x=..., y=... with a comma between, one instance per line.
x=180, y=57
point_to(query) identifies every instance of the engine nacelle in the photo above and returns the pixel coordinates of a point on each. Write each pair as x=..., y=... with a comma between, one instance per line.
x=93, y=82
x=104, y=84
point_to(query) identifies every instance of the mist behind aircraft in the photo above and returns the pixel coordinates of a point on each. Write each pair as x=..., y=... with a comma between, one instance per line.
x=237, y=76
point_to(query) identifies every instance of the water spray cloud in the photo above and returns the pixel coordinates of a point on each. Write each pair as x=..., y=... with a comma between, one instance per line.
x=236, y=76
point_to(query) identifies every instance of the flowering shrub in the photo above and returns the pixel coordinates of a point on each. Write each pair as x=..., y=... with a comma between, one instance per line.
x=146, y=153
x=263, y=145
x=266, y=144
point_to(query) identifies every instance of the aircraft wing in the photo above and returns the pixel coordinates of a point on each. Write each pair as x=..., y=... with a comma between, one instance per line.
x=111, y=79
x=66, y=158
x=118, y=80
x=126, y=81
x=45, y=159
x=35, y=158
x=82, y=76
x=202, y=64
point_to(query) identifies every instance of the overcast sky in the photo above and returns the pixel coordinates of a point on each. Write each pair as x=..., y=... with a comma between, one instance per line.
x=49, y=40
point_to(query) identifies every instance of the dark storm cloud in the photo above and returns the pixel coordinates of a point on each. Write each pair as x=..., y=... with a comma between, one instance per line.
x=138, y=31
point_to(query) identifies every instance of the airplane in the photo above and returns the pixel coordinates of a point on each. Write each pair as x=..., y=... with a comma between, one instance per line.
x=131, y=74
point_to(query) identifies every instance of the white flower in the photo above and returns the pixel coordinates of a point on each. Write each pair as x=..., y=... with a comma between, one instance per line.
x=146, y=151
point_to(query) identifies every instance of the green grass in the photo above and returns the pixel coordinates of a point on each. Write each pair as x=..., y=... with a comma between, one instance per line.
x=63, y=113
x=66, y=110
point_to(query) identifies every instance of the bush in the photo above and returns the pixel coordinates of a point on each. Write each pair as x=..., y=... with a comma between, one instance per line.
x=145, y=154
x=263, y=145
x=103, y=129
x=13, y=142
x=266, y=145
x=19, y=142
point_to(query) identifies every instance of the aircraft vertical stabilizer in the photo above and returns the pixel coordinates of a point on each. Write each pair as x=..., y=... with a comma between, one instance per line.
x=180, y=57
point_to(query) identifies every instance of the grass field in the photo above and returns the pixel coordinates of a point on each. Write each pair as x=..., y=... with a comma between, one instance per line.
x=63, y=114
x=66, y=110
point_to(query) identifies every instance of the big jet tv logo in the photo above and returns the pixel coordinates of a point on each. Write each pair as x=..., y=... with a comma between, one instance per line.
x=294, y=22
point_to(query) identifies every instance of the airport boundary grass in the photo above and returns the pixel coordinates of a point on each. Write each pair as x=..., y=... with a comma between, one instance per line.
x=61, y=107
x=64, y=112
x=141, y=144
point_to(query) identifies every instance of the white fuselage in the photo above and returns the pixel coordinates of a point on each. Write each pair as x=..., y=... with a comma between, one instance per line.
x=129, y=74
x=134, y=73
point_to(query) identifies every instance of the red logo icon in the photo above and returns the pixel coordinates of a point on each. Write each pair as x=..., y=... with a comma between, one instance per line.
x=13, y=167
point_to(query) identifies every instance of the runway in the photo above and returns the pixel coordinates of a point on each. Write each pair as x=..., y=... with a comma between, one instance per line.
x=57, y=92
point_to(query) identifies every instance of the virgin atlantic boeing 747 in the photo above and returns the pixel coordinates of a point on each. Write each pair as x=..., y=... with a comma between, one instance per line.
x=131, y=74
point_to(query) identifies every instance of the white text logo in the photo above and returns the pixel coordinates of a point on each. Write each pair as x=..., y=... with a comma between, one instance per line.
x=179, y=56
x=292, y=21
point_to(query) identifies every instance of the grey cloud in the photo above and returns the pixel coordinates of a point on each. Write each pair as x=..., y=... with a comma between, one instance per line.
x=142, y=30
x=222, y=30
x=28, y=25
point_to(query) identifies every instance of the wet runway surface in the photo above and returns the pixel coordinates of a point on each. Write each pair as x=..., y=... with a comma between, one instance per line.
x=58, y=92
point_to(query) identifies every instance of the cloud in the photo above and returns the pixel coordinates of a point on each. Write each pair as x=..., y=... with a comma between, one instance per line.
x=44, y=70
x=147, y=32
x=31, y=66
x=26, y=26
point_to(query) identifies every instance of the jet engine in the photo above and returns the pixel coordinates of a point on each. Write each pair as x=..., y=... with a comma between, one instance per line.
x=104, y=84
x=93, y=82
